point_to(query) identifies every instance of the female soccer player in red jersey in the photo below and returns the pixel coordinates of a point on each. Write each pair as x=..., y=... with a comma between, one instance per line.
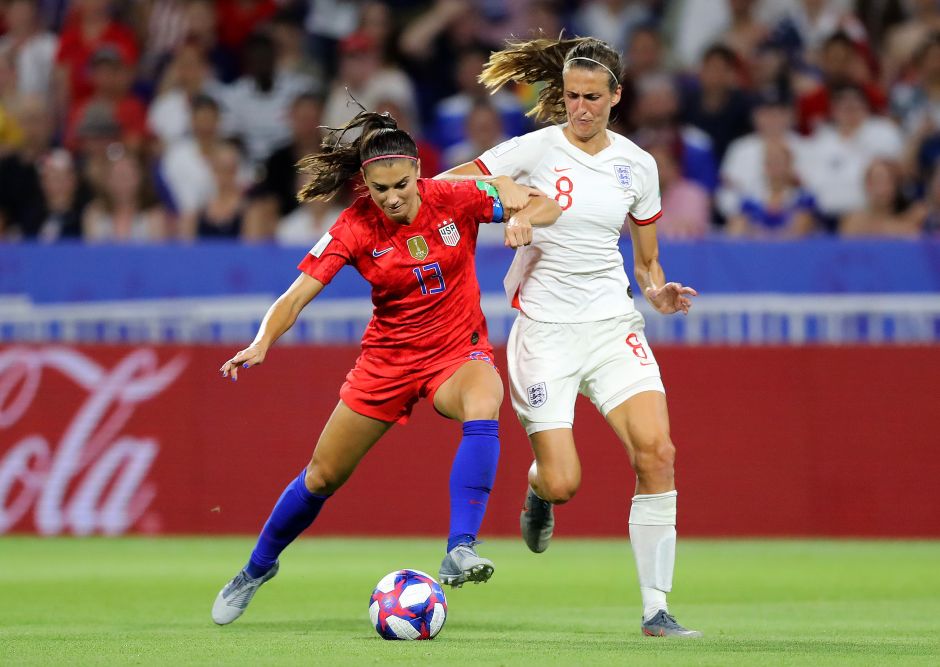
x=577, y=330
x=413, y=240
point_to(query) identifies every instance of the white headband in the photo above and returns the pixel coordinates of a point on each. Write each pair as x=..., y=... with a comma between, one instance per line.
x=616, y=79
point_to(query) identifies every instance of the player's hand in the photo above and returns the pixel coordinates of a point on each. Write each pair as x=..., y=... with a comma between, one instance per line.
x=517, y=233
x=252, y=355
x=513, y=196
x=671, y=298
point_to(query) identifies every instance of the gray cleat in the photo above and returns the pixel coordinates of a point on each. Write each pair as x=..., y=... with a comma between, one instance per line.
x=232, y=600
x=537, y=522
x=664, y=625
x=462, y=564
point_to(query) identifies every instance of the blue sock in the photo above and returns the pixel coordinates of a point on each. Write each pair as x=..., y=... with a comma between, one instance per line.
x=293, y=513
x=471, y=478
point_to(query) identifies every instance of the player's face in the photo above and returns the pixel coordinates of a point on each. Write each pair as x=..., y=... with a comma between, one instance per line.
x=588, y=101
x=393, y=185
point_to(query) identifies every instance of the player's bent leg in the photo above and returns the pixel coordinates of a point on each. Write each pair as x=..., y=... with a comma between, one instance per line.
x=472, y=395
x=554, y=478
x=345, y=439
x=642, y=422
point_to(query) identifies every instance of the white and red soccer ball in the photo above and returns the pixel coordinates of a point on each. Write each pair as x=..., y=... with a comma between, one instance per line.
x=408, y=604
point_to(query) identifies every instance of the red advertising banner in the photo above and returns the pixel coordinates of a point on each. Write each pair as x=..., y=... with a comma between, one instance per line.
x=771, y=441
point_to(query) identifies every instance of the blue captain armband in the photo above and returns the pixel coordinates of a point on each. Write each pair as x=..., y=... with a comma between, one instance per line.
x=494, y=195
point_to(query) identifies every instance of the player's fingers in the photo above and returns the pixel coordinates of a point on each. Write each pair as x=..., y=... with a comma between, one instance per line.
x=689, y=290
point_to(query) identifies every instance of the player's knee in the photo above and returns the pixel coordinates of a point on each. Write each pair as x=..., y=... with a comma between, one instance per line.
x=559, y=490
x=321, y=480
x=656, y=458
x=482, y=406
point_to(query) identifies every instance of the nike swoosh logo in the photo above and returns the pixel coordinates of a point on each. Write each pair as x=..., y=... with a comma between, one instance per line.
x=561, y=170
x=379, y=253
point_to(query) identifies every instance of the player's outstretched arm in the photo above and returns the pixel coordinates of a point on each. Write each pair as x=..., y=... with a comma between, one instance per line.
x=666, y=298
x=280, y=317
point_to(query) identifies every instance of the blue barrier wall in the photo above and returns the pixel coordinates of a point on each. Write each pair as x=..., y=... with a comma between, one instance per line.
x=76, y=273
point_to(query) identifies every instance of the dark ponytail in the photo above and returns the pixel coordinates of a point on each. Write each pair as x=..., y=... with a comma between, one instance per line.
x=544, y=60
x=339, y=161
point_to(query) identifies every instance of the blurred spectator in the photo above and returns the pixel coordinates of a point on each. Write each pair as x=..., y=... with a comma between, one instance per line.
x=612, y=21
x=841, y=63
x=11, y=134
x=645, y=54
x=124, y=209
x=377, y=21
x=187, y=76
x=686, y=206
x=904, y=40
x=185, y=168
x=256, y=106
x=32, y=48
x=201, y=28
x=931, y=223
x=839, y=154
x=917, y=104
x=450, y=116
x=656, y=121
x=327, y=23
x=746, y=31
x=97, y=137
x=241, y=18
x=308, y=221
x=786, y=209
x=484, y=128
x=64, y=198
x=21, y=208
x=813, y=22
x=431, y=44
x=717, y=105
x=160, y=26
x=111, y=84
x=885, y=212
x=361, y=74
x=289, y=44
x=742, y=169
x=223, y=216
x=275, y=196
x=89, y=28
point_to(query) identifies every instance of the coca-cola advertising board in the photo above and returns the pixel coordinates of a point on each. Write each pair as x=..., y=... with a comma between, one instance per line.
x=771, y=441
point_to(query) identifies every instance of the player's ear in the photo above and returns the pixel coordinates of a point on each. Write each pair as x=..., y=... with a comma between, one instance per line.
x=615, y=98
x=418, y=166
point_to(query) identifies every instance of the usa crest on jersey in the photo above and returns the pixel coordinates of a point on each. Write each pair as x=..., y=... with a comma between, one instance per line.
x=537, y=394
x=450, y=234
x=624, y=174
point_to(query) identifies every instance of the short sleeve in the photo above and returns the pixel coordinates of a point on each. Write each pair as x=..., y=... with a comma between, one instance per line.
x=514, y=157
x=647, y=208
x=477, y=201
x=333, y=251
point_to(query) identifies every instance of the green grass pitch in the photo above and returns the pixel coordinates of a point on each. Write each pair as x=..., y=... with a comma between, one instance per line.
x=146, y=601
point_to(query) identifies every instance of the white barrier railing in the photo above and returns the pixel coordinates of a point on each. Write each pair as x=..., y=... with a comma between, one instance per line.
x=746, y=319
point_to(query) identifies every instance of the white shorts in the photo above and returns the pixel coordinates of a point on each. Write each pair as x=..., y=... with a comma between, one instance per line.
x=551, y=363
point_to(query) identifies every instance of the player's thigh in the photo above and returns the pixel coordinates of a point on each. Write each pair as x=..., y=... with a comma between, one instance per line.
x=473, y=391
x=544, y=373
x=641, y=422
x=557, y=463
x=346, y=438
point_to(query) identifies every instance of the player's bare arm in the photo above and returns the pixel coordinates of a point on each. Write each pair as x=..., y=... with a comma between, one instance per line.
x=666, y=298
x=280, y=317
x=539, y=211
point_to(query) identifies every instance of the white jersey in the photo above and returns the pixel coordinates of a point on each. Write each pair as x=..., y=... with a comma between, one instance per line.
x=573, y=270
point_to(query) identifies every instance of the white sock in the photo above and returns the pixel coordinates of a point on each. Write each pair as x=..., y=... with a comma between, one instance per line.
x=653, y=538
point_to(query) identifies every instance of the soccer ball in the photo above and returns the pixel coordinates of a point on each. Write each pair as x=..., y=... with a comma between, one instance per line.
x=407, y=604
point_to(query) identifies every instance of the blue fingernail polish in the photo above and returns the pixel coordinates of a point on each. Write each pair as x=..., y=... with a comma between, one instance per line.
x=245, y=365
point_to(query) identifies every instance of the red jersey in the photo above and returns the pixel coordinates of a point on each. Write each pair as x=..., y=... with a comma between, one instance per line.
x=423, y=276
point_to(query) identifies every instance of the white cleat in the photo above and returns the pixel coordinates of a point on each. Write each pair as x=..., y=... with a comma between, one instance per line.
x=232, y=600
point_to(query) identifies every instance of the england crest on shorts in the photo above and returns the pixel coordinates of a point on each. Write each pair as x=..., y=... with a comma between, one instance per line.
x=537, y=394
x=450, y=235
x=624, y=174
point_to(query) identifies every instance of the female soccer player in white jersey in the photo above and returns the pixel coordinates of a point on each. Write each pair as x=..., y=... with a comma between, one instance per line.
x=577, y=328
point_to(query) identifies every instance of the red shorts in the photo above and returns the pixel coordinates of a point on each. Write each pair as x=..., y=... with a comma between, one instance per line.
x=370, y=391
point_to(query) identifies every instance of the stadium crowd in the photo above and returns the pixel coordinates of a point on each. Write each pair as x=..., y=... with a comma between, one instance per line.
x=150, y=120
